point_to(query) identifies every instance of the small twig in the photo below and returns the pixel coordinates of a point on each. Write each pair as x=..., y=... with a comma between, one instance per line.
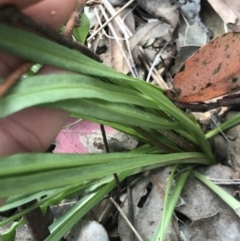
x=13, y=15
x=155, y=75
x=126, y=219
x=72, y=124
x=104, y=138
x=220, y=181
x=93, y=3
x=155, y=61
x=74, y=20
x=108, y=151
x=203, y=107
x=217, y=125
x=109, y=20
x=170, y=79
x=130, y=207
x=126, y=35
x=14, y=77
x=118, y=42
x=156, y=182
x=36, y=222
x=119, y=190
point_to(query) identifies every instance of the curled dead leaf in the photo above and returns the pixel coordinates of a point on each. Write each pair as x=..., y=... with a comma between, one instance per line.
x=214, y=70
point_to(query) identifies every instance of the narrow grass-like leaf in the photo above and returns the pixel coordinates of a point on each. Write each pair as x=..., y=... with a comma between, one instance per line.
x=66, y=222
x=226, y=197
x=10, y=234
x=227, y=124
x=116, y=113
x=19, y=164
x=80, y=33
x=185, y=121
x=170, y=202
x=56, y=87
x=18, y=200
x=37, y=49
x=164, y=224
x=55, y=197
x=72, y=171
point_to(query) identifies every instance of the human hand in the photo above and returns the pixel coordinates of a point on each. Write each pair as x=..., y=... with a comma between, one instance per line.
x=33, y=129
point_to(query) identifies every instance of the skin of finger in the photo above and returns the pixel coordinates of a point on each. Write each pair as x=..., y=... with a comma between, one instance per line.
x=42, y=118
x=51, y=12
x=32, y=129
x=19, y=4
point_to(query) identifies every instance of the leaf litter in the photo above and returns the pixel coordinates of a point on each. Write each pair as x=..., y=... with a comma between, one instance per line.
x=184, y=26
x=188, y=25
x=153, y=28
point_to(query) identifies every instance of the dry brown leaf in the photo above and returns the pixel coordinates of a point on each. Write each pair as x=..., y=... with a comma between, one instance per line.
x=229, y=11
x=118, y=62
x=212, y=20
x=161, y=9
x=191, y=10
x=146, y=205
x=207, y=217
x=211, y=72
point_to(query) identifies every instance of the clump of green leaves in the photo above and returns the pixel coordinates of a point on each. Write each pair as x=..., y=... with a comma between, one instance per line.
x=96, y=93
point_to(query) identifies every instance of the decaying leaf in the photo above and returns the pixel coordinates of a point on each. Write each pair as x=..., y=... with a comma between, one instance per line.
x=207, y=217
x=118, y=62
x=212, y=20
x=151, y=30
x=214, y=70
x=163, y=9
x=229, y=11
x=146, y=206
x=191, y=10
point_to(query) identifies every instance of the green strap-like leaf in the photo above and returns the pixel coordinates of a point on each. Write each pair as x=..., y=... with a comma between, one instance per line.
x=115, y=113
x=44, y=89
x=50, y=171
x=37, y=49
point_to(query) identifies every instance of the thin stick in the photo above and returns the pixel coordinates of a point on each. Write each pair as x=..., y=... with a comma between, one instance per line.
x=109, y=20
x=232, y=100
x=15, y=16
x=125, y=30
x=104, y=138
x=130, y=207
x=118, y=42
x=126, y=219
x=108, y=151
x=155, y=75
x=155, y=61
x=14, y=77
x=36, y=222
x=74, y=20
x=217, y=125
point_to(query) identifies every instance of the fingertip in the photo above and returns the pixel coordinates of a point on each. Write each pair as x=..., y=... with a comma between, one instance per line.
x=20, y=4
x=54, y=13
